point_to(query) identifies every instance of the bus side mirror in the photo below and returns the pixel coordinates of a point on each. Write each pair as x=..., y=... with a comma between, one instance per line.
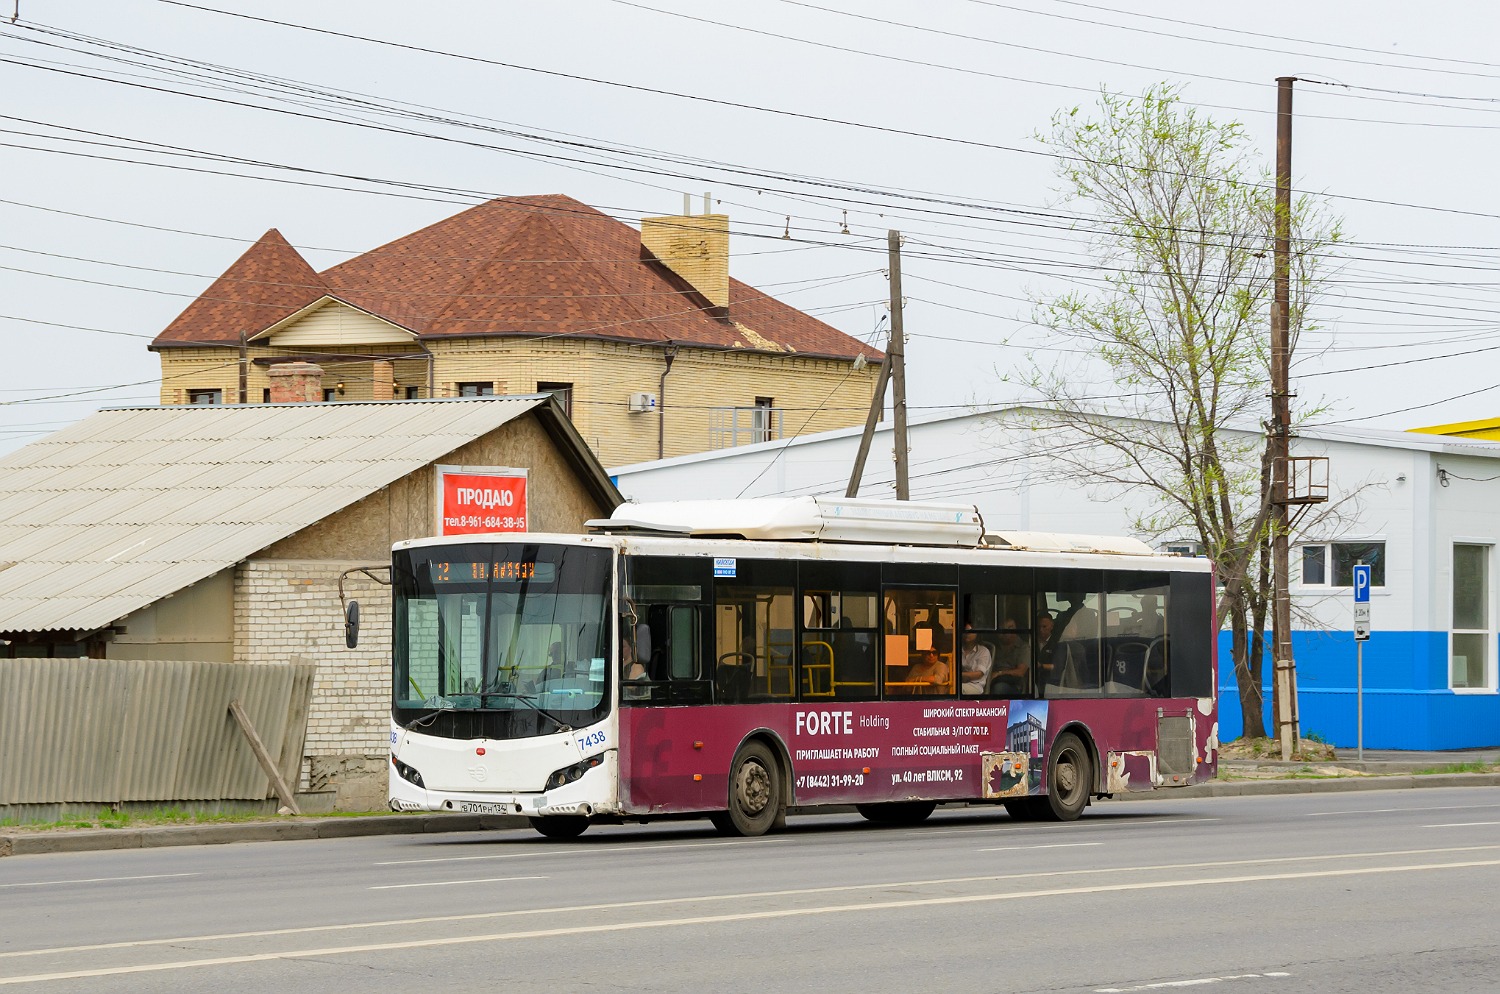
x=351, y=624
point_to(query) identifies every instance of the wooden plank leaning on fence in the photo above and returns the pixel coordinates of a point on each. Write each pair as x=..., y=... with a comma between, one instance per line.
x=266, y=763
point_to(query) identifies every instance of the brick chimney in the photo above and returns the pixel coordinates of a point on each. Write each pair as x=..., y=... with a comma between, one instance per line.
x=695, y=247
x=383, y=380
x=295, y=382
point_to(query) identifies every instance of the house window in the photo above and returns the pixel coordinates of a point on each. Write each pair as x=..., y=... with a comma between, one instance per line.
x=562, y=391
x=1332, y=564
x=330, y=394
x=265, y=395
x=1469, y=655
x=413, y=393
x=205, y=396
x=1183, y=547
x=476, y=389
x=1315, y=565
x=760, y=423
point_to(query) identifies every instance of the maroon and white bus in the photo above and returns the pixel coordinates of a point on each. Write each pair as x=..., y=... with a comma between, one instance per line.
x=736, y=659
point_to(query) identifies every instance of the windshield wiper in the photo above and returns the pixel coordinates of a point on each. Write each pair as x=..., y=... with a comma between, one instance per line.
x=530, y=702
x=422, y=719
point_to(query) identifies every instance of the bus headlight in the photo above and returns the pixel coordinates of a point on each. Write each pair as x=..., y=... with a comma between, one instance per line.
x=407, y=773
x=570, y=773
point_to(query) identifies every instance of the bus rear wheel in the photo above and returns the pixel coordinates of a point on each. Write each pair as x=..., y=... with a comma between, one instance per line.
x=755, y=796
x=560, y=826
x=897, y=812
x=1070, y=777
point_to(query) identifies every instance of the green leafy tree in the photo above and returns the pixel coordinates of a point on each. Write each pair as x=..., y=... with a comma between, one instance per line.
x=1173, y=393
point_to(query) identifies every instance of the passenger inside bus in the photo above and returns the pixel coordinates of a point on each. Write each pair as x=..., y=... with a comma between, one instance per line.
x=1011, y=673
x=930, y=669
x=975, y=662
x=1045, y=630
x=633, y=674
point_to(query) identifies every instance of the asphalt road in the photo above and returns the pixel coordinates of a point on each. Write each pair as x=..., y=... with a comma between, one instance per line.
x=1369, y=892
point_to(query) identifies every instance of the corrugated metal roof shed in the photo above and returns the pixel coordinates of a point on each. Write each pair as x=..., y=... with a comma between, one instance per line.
x=128, y=506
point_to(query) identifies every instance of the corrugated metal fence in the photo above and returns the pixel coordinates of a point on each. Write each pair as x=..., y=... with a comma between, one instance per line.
x=113, y=730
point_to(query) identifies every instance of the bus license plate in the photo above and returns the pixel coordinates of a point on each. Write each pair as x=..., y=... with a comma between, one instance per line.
x=484, y=808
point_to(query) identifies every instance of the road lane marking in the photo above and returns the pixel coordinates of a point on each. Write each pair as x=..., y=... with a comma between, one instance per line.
x=1053, y=845
x=1463, y=824
x=1116, y=821
x=582, y=851
x=454, y=883
x=1422, y=810
x=743, y=916
x=1186, y=983
x=98, y=880
x=743, y=896
x=1117, y=825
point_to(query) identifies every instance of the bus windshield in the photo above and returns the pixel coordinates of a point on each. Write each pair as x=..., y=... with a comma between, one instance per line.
x=510, y=626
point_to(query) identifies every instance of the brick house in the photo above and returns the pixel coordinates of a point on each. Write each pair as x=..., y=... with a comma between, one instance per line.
x=649, y=345
x=220, y=535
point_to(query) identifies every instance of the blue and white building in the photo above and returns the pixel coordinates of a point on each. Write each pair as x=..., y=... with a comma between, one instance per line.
x=1423, y=510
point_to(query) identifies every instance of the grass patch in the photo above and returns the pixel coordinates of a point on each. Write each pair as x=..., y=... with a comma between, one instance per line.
x=1457, y=768
x=163, y=817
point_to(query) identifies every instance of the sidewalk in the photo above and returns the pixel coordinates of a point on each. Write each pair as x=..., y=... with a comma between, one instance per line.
x=1380, y=770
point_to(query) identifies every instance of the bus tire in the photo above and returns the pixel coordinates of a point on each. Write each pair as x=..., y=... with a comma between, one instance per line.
x=755, y=793
x=897, y=812
x=560, y=826
x=1070, y=778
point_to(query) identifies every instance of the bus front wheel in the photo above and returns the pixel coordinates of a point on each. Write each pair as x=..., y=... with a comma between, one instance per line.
x=754, y=793
x=1070, y=777
x=560, y=826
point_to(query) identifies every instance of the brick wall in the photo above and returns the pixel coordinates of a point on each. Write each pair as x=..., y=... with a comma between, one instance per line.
x=813, y=394
x=288, y=610
x=219, y=369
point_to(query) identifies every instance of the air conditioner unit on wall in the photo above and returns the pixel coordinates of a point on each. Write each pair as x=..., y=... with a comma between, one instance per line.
x=642, y=402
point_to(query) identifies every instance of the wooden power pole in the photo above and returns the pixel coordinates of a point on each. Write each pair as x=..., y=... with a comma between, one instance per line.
x=1281, y=431
x=897, y=352
x=893, y=369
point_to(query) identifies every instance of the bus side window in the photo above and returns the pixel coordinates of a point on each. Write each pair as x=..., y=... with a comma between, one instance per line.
x=919, y=642
x=682, y=647
x=1134, y=645
x=755, y=618
x=838, y=645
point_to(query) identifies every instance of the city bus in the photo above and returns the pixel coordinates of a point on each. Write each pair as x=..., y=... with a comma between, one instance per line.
x=733, y=660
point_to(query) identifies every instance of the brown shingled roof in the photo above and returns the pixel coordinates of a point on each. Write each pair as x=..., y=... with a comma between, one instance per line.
x=270, y=282
x=542, y=265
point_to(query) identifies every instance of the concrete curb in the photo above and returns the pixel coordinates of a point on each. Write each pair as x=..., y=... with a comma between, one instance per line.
x=20, y=843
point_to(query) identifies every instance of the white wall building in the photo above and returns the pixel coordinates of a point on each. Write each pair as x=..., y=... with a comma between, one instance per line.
x=1424, y=510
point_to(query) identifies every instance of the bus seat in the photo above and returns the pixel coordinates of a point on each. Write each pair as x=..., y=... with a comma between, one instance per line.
x=733, y=684
x=1127, y=665
x=1156, y=672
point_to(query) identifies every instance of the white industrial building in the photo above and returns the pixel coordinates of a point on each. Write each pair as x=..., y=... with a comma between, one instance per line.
x=1422, y=508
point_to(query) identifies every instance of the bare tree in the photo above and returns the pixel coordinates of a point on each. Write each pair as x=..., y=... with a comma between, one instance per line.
x=1173, y=396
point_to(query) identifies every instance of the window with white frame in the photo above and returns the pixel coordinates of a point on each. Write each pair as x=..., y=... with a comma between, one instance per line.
x=760, y=419
x=1469, y=653
x=1331, y=564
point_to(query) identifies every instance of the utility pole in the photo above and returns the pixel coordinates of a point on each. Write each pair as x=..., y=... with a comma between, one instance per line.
x=877, y=405
x=897, y=354
x=1281, y=430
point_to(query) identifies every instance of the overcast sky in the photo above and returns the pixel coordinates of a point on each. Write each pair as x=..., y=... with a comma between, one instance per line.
x=147, y=143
